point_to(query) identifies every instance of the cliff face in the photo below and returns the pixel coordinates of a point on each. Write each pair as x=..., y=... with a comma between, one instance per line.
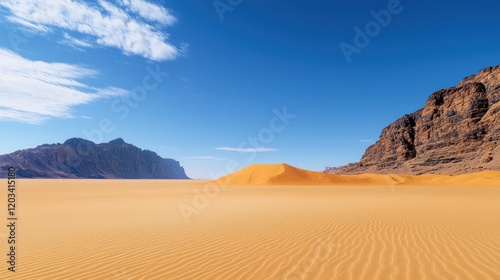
x=79, y=158
x=457, y=131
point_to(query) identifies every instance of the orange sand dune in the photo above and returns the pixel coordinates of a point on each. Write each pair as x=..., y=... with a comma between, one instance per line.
x=284, y=174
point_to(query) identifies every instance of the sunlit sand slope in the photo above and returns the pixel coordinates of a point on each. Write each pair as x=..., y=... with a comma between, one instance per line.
x=284, y=174
x=112, y=229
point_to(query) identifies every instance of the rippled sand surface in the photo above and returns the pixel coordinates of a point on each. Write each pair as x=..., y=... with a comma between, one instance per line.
x=117, y=229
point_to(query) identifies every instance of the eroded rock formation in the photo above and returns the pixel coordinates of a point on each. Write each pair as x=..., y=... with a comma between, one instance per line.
x=457, y=131
x=79, y=158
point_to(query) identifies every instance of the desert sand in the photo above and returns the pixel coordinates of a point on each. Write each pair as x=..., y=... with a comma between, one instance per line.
x=146, y=229
x=284, y=174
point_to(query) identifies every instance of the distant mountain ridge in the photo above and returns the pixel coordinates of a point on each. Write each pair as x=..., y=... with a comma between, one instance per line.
x=457, y=131
x=80, y=158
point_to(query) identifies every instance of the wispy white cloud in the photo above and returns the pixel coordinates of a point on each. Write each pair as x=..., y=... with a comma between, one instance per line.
x=34, y=91
x=207, y=158
x=74, y=42
x=150, y=11
x=247, y=150
x=29, y=25
x=130, y=25
x=366, y=141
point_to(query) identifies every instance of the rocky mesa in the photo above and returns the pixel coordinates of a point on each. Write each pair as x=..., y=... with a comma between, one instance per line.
x=457, y=131
x=79, y=158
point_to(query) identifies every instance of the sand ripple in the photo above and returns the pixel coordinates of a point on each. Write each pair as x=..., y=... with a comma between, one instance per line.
x=125, y=230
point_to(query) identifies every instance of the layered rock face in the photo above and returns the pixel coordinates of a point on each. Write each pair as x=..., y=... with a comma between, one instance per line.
x=79, y=158
x=457, y=131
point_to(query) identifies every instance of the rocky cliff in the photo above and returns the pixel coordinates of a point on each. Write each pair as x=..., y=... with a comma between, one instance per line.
x=457, y=131
x=79, y=158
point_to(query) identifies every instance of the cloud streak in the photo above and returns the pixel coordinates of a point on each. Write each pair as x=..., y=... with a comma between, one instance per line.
x=35, y=91
x=247, y=150
x=75, y=43
x=133, y=26
x=150, y=11
x=206, y=158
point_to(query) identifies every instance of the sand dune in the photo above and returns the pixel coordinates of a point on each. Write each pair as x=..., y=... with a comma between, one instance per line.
x=115, y=229
x=284, y=174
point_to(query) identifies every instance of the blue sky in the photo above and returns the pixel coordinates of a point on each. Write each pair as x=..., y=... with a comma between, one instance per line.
x=218, y=85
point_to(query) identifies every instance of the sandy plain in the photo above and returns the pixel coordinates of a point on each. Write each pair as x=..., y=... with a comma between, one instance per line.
x=146, y=229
